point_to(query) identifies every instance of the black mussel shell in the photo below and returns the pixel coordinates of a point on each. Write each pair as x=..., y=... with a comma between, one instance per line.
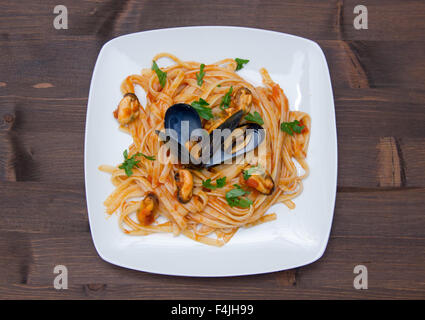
x=180, y=112
x=258, y=134
x=176, y=114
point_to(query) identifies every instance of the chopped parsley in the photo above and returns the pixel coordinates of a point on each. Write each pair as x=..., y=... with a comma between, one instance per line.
x=219, y=183
x=129, y=163
x=291, y=127
x=200, y=75
x=225, y=102
x=152, y=158
x=201, y=107
x=256, y=117
x=253, y=170
x=234, y=197
x=240, y=63
x=162, y=76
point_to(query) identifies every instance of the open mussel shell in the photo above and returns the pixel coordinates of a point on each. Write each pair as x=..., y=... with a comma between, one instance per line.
x=229, y=124
x=243, y=139
x=232, y=122
x=182, y=123
x=181, y=119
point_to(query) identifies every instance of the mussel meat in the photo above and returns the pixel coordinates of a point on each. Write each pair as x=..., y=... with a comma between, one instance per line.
x=258, y=178
x=128, y=109
x=184, y=121
x=242, y=99
x=184, y=181
x=242, y=140
x=230, y=118
x=147, y=207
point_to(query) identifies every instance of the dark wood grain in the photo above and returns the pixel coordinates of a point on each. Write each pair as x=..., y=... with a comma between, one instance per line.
x=378, y=79
x=389, y=20
x=353, y=64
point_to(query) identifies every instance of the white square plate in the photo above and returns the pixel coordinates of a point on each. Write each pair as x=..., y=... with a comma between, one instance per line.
x=297, y=237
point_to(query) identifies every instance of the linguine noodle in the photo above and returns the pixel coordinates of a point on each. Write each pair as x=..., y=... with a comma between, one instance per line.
x=207, y=217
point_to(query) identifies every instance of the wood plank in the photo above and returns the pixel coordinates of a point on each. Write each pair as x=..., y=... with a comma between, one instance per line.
x=369, y=117
x=391, y=165
x=375, y=64
x=33, y=207
x=332, y=278
x=42, y=157
x=396, y=214
x=362, y=165
x=36, y=69
x=394, y=20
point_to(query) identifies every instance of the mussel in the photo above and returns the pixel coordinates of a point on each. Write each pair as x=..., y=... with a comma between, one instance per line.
x=259, y=179
x=243, y=139
x=147, y=207
x=128, y=109
x=230, y=118
x=181, y=119
x=184, y=127
x=242, y=99
x=184, y=181
x=226, y=120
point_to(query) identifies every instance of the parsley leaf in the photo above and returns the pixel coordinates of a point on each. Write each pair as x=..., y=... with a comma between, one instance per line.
x=256, y=117
x=240, y=202
x=162, y=76
x=200, y=75
x=246, y=174
x=219, y=183
x=129, y=163
x=240, y=63
x=152, y=158
x=234, y=193
x=291, y=127
x=258, y=170
x=225, y=102
x=234, y=199
x=202, y=109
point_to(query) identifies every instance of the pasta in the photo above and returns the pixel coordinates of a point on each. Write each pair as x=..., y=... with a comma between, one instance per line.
x=211, y=216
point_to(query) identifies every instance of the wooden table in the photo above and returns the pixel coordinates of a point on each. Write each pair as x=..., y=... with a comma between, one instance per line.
x=378, y=80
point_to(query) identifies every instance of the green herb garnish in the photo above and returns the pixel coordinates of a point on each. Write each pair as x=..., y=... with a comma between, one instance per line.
x=225, y=102
x=239, y=202
x=246, y=174
x=234, y=197
x=129, y=163
x=291, y=127
x=256, y=117
x=240, y=63
x=152, y=158
x=253, y=170
x=162, y=76
x=200, y=75
x=219, y=183
x=202, y=109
